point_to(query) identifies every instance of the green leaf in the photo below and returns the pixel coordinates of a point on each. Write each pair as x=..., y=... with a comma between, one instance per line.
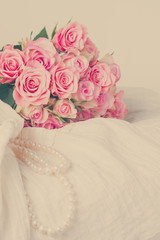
x=66, y=120
x=59, y=52
x=6, y=94
x=18, y=47
x=4, y=89
x=80, y=119
x=81, y=101
x=78, y=109
x=14, y=106
x=4, y=46
x=69, y=20
x=54, y=31
x=43, y=33
x=31, y=35
x=9, y=98
x=77, y=101
x=60, y=118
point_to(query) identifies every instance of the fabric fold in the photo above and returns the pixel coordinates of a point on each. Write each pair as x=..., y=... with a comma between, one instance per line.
x=14, y=222
x=115, y=173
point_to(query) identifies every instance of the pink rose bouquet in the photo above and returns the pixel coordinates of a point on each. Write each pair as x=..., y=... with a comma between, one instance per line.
x=57, y=81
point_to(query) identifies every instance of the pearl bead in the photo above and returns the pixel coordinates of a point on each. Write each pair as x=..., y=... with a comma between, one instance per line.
x=26, y=151
x=40, y=165
x=59, y=230
x=42, y=229
x=32, y=216
x=50, y=232
x=33, y=144
x=35, y=224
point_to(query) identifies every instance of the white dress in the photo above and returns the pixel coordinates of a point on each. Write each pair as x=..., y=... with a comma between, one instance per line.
x=115, y=173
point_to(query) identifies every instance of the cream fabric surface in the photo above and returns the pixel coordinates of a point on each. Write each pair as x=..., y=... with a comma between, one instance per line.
x=115, y=173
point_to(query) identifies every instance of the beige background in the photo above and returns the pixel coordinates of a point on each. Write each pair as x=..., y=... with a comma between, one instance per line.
x=129, y=28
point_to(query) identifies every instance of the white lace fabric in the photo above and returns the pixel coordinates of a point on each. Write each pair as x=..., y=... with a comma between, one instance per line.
x=115, y=173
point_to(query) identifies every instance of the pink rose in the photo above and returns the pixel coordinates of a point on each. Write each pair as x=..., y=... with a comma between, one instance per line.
x=65, y=108
x=120, y=109
x=12, y=62
x=90, y=51
x=86, y=104
x=87, y=91
x=108, y=59
x=51, y=123
x=71, y=37
x=100, y=74
x=64, y=80
x=43, y=51
x=83, y=115
x=32, y=87
x=27, y=124
x=37, y=114
x=79, y=62
x=116, y=71
x=108, y=114
x=104, y=102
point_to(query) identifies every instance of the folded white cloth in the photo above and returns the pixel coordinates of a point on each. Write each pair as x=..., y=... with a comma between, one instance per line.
x=115, y=173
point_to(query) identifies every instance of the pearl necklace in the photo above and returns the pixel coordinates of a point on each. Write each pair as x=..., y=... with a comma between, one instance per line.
x=27, y=152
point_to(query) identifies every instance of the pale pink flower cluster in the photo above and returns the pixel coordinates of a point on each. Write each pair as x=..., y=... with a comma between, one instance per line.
x=61, y=80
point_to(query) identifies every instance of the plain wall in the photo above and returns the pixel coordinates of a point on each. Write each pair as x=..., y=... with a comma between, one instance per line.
x=129, y=28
